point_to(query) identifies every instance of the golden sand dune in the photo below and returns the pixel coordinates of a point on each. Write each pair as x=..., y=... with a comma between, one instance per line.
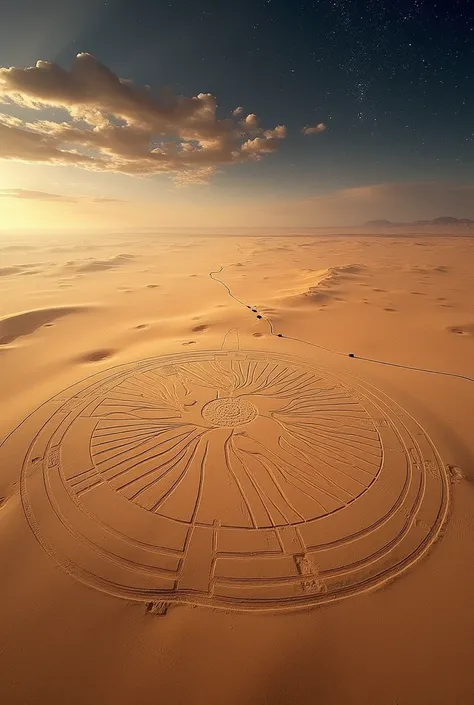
x=27, y=322
x=98, y=265
x=22, y=269
x=6, y=271
x=16, y=248
x=321, y=287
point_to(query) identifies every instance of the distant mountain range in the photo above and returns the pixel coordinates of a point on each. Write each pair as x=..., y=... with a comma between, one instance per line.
x=446, y=222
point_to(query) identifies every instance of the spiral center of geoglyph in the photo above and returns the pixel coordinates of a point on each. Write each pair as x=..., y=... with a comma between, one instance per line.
x=229, y=412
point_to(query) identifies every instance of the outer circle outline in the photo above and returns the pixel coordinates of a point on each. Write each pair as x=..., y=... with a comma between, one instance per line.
x=292, y=603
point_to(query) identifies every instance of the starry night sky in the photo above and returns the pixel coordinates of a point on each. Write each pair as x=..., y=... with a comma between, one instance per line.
x=391, y=80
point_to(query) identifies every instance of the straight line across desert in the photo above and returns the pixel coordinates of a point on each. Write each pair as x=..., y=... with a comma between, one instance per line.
x=236, y=360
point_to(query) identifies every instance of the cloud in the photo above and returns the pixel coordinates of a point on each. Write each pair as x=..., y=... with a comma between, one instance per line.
x=314, y=130
x=56, y=197
x=118, y=126
x=33, y=195
x=196, y=177
x=102, y=199
x=265, y=144
x=20, y=144
x=251, y=122
x=238, y=111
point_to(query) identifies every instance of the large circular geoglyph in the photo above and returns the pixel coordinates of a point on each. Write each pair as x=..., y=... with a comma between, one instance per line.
x=241, y=480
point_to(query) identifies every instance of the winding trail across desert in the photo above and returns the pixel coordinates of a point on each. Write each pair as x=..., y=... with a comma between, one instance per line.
x=237, y=460
x=339, y=352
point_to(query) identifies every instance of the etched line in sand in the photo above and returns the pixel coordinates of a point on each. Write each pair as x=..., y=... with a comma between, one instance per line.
x=331, y=350
x=241, y=480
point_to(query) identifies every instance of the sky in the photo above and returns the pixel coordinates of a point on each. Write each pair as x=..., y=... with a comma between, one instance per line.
x=221, y=113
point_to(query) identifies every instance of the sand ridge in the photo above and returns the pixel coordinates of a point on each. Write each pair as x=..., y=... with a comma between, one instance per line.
x=26, y=323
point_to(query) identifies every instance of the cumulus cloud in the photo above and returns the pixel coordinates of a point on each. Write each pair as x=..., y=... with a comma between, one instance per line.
x=251, y=122
x=238, y=111
x=279, y=132
x=314, y=130
x=270, y=140
x=116, y=125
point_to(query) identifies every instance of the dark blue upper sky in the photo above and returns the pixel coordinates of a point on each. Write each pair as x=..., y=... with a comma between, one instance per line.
x=391, y=80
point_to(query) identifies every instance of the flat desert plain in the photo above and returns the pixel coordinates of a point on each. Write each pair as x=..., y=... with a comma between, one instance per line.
x=237, y=469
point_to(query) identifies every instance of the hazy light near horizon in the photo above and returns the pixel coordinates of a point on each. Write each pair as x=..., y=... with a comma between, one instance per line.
x=345, y=208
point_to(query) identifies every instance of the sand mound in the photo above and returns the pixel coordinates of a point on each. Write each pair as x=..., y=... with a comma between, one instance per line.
x=467, y=329
x=17, y=248
x=429, y=269
x=96, y=355
x=278, y=248
x=347, y=269
x=99, y=265
x=322, y=286
x=6, y=271
x=21, y=324
x=74, y=248
x=19, y=269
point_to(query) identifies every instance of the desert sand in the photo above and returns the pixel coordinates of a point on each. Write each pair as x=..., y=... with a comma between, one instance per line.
x=230, y=470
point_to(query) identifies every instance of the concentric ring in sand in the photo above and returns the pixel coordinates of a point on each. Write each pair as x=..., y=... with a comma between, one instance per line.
x=311, y=488
x=229, y=412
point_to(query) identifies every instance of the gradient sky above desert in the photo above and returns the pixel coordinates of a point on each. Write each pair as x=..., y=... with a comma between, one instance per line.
x=236, y=352
x=321, y=113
